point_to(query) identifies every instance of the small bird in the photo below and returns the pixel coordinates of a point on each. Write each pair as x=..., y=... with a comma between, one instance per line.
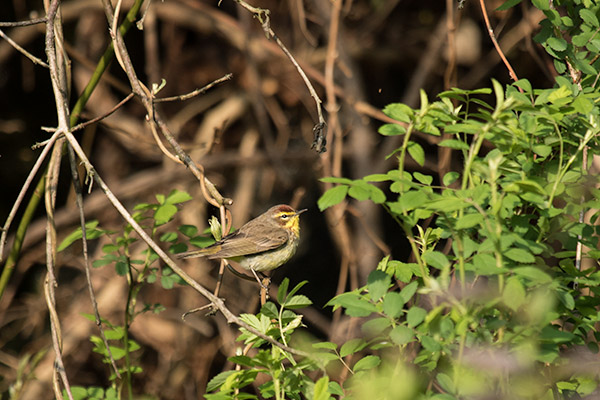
x=262, y=244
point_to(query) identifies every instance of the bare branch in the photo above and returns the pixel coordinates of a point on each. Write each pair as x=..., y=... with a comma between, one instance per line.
x=319, y=130
x=195, y=92
x=27, y=54
x=29, y=22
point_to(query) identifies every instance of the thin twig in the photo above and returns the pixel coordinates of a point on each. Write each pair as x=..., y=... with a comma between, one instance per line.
x=59, y=86
x=511, y=72
x=195, y=92
x=23, y=192
x=450, y=73
x=319, y=130
x=209, y=192
x=84, y=242
x=21, y=50
x=29, y=22
x=100, y=118
x=50, y=282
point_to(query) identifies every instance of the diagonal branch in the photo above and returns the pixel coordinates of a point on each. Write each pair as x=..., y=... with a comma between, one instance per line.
x=319, y=130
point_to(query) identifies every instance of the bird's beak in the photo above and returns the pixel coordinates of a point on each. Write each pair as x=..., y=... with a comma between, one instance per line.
x=301, y=211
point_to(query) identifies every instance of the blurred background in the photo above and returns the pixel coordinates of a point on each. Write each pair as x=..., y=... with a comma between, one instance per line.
x=253, y=136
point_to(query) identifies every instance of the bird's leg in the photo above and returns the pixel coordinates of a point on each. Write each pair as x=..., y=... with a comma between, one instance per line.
x=264, y=290
x=258, y=279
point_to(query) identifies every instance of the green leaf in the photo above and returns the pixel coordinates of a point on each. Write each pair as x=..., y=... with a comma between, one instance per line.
x=445, y=382
x=430, y=344
x=402, y=335
x=352, y=346
x=333, y=196
x=582, y=105
x=168, y=237
x=354, y=304
x=90, y=232
x=454, y=144
x=393, y=303
x=469, y=221
x=566, y=299
x=399, y=112
x=508, y=4
x=424, y=179
x=335, y=179
x=321, y=391
x=298, y=301
x=242, y=360
x=436, y=259
x=542, y=150
x=589, y=17
x=485, y=264
x=557, y=95
x=499, y=92
x=164, y=213
x=446, y=204
x=219, y=380
x=391, y=130
x=519, y=255
x=282, y=291
x=121, y=268
x=325, y=345
x=101, y=262
x=514, y=293
x=367, y=362
x=416, y=152
x=415, y=316
x=377, y=195
x=408, y=291
x=450, y=178
x=558, y=44
x=336, y=389
x=535, y=274
x=188, y=230
x=471, y=127
x=376, y=178
x=378, y=283
x=78, y=393
x=410, y=200
x=541, y=4
x=375, y=326
x=359, y=192
x=296, y=288
x=178, y=196
x=552, y=334
x=270, y=310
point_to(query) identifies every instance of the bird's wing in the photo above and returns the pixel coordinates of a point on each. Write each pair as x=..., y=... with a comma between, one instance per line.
x=245, y=244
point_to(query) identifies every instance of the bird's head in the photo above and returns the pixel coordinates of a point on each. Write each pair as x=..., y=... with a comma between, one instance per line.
x=286, y=217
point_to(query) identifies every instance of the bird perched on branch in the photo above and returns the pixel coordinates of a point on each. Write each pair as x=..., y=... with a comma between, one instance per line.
x=262, y=244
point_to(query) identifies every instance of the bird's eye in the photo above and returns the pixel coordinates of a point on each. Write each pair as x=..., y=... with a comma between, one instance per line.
x=284, y=216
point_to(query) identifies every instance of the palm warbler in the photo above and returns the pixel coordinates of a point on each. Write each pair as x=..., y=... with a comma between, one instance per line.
x=262, y=244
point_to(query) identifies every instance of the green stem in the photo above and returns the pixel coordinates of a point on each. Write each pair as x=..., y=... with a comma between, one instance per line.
x=103, y=64
x=403, y=154
x=411, y=241
x=13, y=256
x=458, y=362
x=128, y=316
x=475, y=147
